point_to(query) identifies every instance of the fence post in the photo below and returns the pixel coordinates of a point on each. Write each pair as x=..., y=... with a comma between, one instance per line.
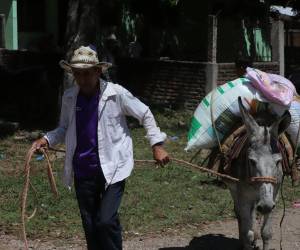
x=277, y=41
x=212, y=66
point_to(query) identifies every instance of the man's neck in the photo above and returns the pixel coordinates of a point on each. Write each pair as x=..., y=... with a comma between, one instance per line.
x=92, y=91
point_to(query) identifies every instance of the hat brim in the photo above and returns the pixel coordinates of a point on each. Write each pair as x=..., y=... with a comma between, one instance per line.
x=69, y=66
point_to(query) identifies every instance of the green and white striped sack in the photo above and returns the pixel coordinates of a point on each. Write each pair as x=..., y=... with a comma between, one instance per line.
x=225, y=113
x=292, y=130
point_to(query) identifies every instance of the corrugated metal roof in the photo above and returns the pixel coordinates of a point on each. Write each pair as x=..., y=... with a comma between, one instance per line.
x=283, y=10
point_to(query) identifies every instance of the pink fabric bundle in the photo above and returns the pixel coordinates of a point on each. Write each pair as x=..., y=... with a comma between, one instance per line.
x=275, y=88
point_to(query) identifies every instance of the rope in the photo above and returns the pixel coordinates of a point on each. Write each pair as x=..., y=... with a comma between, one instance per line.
x=194, y=166
x=50, y=174
x=24, y=195
x=57, y=150
x=203, y=169
x=27, y=184
x=283, y=213
x=189, y=165
x=181, y=162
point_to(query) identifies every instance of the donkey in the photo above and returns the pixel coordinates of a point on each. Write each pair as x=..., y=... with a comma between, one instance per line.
x=260, y=172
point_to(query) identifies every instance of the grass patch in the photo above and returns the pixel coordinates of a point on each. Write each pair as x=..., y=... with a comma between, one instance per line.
x=154, y=200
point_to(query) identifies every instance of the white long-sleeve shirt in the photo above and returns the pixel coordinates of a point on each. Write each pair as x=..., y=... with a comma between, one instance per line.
x=114, y=140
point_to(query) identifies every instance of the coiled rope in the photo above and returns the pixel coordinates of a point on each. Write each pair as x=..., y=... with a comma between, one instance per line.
x=27, y=184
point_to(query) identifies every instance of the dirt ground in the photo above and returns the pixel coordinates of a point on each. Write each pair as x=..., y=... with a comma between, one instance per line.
x=220, y=235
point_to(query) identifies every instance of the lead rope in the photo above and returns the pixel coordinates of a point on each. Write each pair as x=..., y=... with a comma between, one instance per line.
x=181, y=162
x=283, y=214
x=194, y=166
x=27, y=184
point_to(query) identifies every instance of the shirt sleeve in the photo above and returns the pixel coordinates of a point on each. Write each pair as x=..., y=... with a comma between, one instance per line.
x=57, y=135
x=132, y=106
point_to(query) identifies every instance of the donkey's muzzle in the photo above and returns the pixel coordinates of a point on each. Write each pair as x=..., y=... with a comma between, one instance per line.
x=265, y=208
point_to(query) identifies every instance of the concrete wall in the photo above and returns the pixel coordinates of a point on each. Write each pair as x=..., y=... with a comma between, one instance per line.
x=2, y=30
x=9, y=9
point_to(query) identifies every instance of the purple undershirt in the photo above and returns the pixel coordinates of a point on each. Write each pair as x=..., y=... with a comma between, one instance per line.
x=86, y=159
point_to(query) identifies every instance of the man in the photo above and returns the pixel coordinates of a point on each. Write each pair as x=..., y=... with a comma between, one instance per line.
x=99, y=146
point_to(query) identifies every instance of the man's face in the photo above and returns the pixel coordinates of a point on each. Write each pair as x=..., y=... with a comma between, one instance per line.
x=87, y=79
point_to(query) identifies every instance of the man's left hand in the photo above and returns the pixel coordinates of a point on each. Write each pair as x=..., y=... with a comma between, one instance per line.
x=160, y=155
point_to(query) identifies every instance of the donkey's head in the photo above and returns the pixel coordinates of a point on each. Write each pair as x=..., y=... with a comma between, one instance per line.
x=263, y=158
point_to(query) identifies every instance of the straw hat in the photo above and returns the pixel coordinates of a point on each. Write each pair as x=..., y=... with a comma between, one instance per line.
x=84, y=58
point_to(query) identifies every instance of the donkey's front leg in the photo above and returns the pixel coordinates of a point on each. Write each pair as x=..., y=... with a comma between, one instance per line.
x=246, y=226
x=266, y=230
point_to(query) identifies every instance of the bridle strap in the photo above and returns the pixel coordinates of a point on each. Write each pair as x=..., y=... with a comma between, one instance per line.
x=265, y=179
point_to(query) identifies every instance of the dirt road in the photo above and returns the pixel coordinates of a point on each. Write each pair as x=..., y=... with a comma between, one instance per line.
x=215, y=236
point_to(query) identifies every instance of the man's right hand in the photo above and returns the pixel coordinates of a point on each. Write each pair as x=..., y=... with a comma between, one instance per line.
x=40, y=143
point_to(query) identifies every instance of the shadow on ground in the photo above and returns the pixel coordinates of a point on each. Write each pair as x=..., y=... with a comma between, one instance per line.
x=210, y=242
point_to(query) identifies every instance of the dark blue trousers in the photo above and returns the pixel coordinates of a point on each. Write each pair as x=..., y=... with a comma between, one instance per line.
x=99, y=212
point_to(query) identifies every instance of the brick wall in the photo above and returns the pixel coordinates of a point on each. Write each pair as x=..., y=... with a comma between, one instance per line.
x=176, y=84
x=226, y=71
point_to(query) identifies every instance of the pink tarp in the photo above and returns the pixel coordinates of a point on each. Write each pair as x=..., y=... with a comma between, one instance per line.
x=275, y=88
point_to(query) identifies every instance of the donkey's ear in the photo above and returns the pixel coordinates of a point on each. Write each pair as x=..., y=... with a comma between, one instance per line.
x=249, y=121
x=281, y=124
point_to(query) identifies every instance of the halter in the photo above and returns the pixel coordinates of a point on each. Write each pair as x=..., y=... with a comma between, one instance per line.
x=264, y=179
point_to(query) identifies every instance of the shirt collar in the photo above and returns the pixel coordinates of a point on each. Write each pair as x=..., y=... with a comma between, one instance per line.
x=107, y=88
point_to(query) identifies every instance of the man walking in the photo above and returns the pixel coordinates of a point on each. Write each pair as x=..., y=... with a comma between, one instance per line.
x=98, y=145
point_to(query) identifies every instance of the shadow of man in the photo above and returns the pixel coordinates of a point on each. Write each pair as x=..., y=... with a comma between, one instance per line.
x=210, y=242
